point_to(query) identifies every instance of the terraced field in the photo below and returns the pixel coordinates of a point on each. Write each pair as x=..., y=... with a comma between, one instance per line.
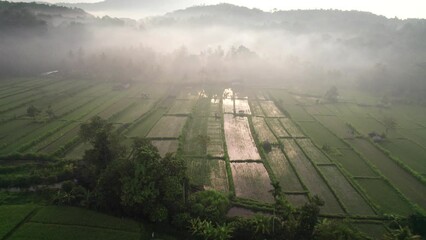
x=316, y=148
x=242, y=107
x=228, y=106
x=251, y=181
x=291, y=128
x=270, y=109
x=408, y=152
x=256, y=109
x=311, y=178
x=167, y=127
x=348, y=195
x=33, y=222
x=409, y=185
x=284, y=172
x=277, y=128
x=210, y=174
x=262, y=131
x=380, y=175
x=215, y=131
x=166, y=146
x=183, y=107
x=239, y=140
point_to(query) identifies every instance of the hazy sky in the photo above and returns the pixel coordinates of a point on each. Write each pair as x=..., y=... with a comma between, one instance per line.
x=388, y=8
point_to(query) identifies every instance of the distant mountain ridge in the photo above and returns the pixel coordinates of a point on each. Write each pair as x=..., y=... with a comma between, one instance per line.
x=174, y=12
x=149, y=6
x=292, y=20
x=297, y=21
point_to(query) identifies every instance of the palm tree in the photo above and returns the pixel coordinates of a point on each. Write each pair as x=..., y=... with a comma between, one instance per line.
x=206, y=230
x=401, y=233
x=262, y=224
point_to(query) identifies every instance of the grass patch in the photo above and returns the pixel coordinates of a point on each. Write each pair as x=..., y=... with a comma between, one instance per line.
x=291, y=128
x=167, y=127
x=385, y=197
x=320, y=135
x=353, y=163
x=277, y=128
x=297, y=200
x=270, y=109
x=297, y=113
x=83, y=217
x=182, y=107
x=251, y=181
x=406, y=183
x=312, y=151
x=354, y=203
x=12, y=216
x=142, y=128
x=256, y=109
x=375, y=230
x=166, y=146
x=60, y=232
x=262, y=130
x=335, y=125
x=409, y=153
x=311, y=178
x=283, y=171
x=208, y=173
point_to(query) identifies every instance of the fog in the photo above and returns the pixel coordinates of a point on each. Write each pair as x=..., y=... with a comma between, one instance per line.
x=220, y=43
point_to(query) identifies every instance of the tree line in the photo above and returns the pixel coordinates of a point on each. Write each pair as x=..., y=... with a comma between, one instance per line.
x=139, y=183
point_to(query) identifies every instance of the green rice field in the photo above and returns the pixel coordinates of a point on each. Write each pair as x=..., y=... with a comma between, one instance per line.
x=313, y=150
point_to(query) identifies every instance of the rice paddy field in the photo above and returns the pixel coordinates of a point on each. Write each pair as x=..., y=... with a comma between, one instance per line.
x=30, y=222
x=209, y=173
x=251, y=181
x=239, y=139
x=316, y=148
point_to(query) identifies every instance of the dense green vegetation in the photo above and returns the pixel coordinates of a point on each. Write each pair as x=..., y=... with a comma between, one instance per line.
x=116, y=169
x=11, y=216
x=322, y=135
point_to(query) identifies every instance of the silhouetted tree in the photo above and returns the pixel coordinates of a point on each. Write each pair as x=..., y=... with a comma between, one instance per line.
x=209, y=205
x=33, y=111
x=332, y=94
x=105, y=148
x=389, y=123
x=49, y=112
x=206, y=230
x=266, y=145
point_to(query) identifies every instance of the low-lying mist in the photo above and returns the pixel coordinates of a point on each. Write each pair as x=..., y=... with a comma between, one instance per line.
x=217, y=43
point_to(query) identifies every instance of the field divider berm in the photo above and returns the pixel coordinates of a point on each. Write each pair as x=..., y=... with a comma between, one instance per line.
x=333, y=191
x=373, y=168
x=319, y=171
x=346, y=175
x=281, y=146
x=378, y=171
x=262, y=153
x=225, y=154
x=25, y=220
x=162, y=138
x=50, y=133
x=155, y=107
x=398, y=162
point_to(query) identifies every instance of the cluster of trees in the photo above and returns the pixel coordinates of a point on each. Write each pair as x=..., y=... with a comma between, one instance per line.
x=136, y=182
x=285, y=223
x=332, y=94
x=133, y=183
x=139, y=183
x=34, y=112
